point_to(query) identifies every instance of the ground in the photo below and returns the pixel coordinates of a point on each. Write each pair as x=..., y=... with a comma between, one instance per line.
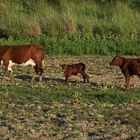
x=51, y=110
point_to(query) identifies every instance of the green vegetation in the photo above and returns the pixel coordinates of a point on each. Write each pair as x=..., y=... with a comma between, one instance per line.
x=72, y=27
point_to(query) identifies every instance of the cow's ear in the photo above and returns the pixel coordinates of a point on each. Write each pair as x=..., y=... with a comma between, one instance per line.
x=60, y=65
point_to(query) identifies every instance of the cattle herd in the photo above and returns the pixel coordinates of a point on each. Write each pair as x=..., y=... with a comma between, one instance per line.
x=33, y=55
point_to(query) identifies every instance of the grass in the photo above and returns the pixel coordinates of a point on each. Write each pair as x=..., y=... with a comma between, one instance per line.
x=27, y=109
x=59, y=91
x=43, y=17
x=52, y=110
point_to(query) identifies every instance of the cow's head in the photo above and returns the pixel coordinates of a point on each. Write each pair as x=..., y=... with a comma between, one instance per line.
x=63, y=66
x=116, y=61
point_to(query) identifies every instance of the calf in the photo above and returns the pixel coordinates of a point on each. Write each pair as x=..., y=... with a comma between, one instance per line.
x=22, y=55
x=74, y=69
x=128, y=66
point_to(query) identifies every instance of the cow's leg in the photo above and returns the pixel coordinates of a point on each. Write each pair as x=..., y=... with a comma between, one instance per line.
x=11, y=75
x=41, y=70
x=5, y=64
x=38, y=70
x=66, y=79
x=127, y=81
x=8, y=69
x=34, y=75
x=5, y=75
x=8, y=73
x=40, y=73
x=85, y=76
x=40, y=77
x=139, y=76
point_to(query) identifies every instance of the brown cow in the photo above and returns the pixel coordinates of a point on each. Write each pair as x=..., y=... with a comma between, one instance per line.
x=22, y=55
x=128, y=66
x=74, y=69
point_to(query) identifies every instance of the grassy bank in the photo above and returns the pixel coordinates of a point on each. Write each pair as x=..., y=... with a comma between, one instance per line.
x=72, y=27
x=62, y=17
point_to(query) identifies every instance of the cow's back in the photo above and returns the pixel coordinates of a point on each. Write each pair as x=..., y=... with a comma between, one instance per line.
x=76, y=68
x=130, y=66
x=134, y=67
x=23, y=53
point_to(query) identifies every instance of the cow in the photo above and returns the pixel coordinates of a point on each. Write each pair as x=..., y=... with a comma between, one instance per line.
x=128, y=66
x=22, y=55
x=74, y=69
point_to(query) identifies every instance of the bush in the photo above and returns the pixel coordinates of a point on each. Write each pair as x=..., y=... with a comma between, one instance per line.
x=83, y=44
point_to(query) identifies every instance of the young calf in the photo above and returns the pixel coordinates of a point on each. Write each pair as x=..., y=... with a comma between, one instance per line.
x=128, y=66
x=74, y=69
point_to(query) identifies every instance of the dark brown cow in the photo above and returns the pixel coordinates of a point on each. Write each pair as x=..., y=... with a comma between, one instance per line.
x=128, y=66
x=74, y=69
x=22, y=55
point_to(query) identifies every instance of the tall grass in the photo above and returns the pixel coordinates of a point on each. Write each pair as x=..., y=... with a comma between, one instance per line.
x=35, y=18
x=72, y=27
